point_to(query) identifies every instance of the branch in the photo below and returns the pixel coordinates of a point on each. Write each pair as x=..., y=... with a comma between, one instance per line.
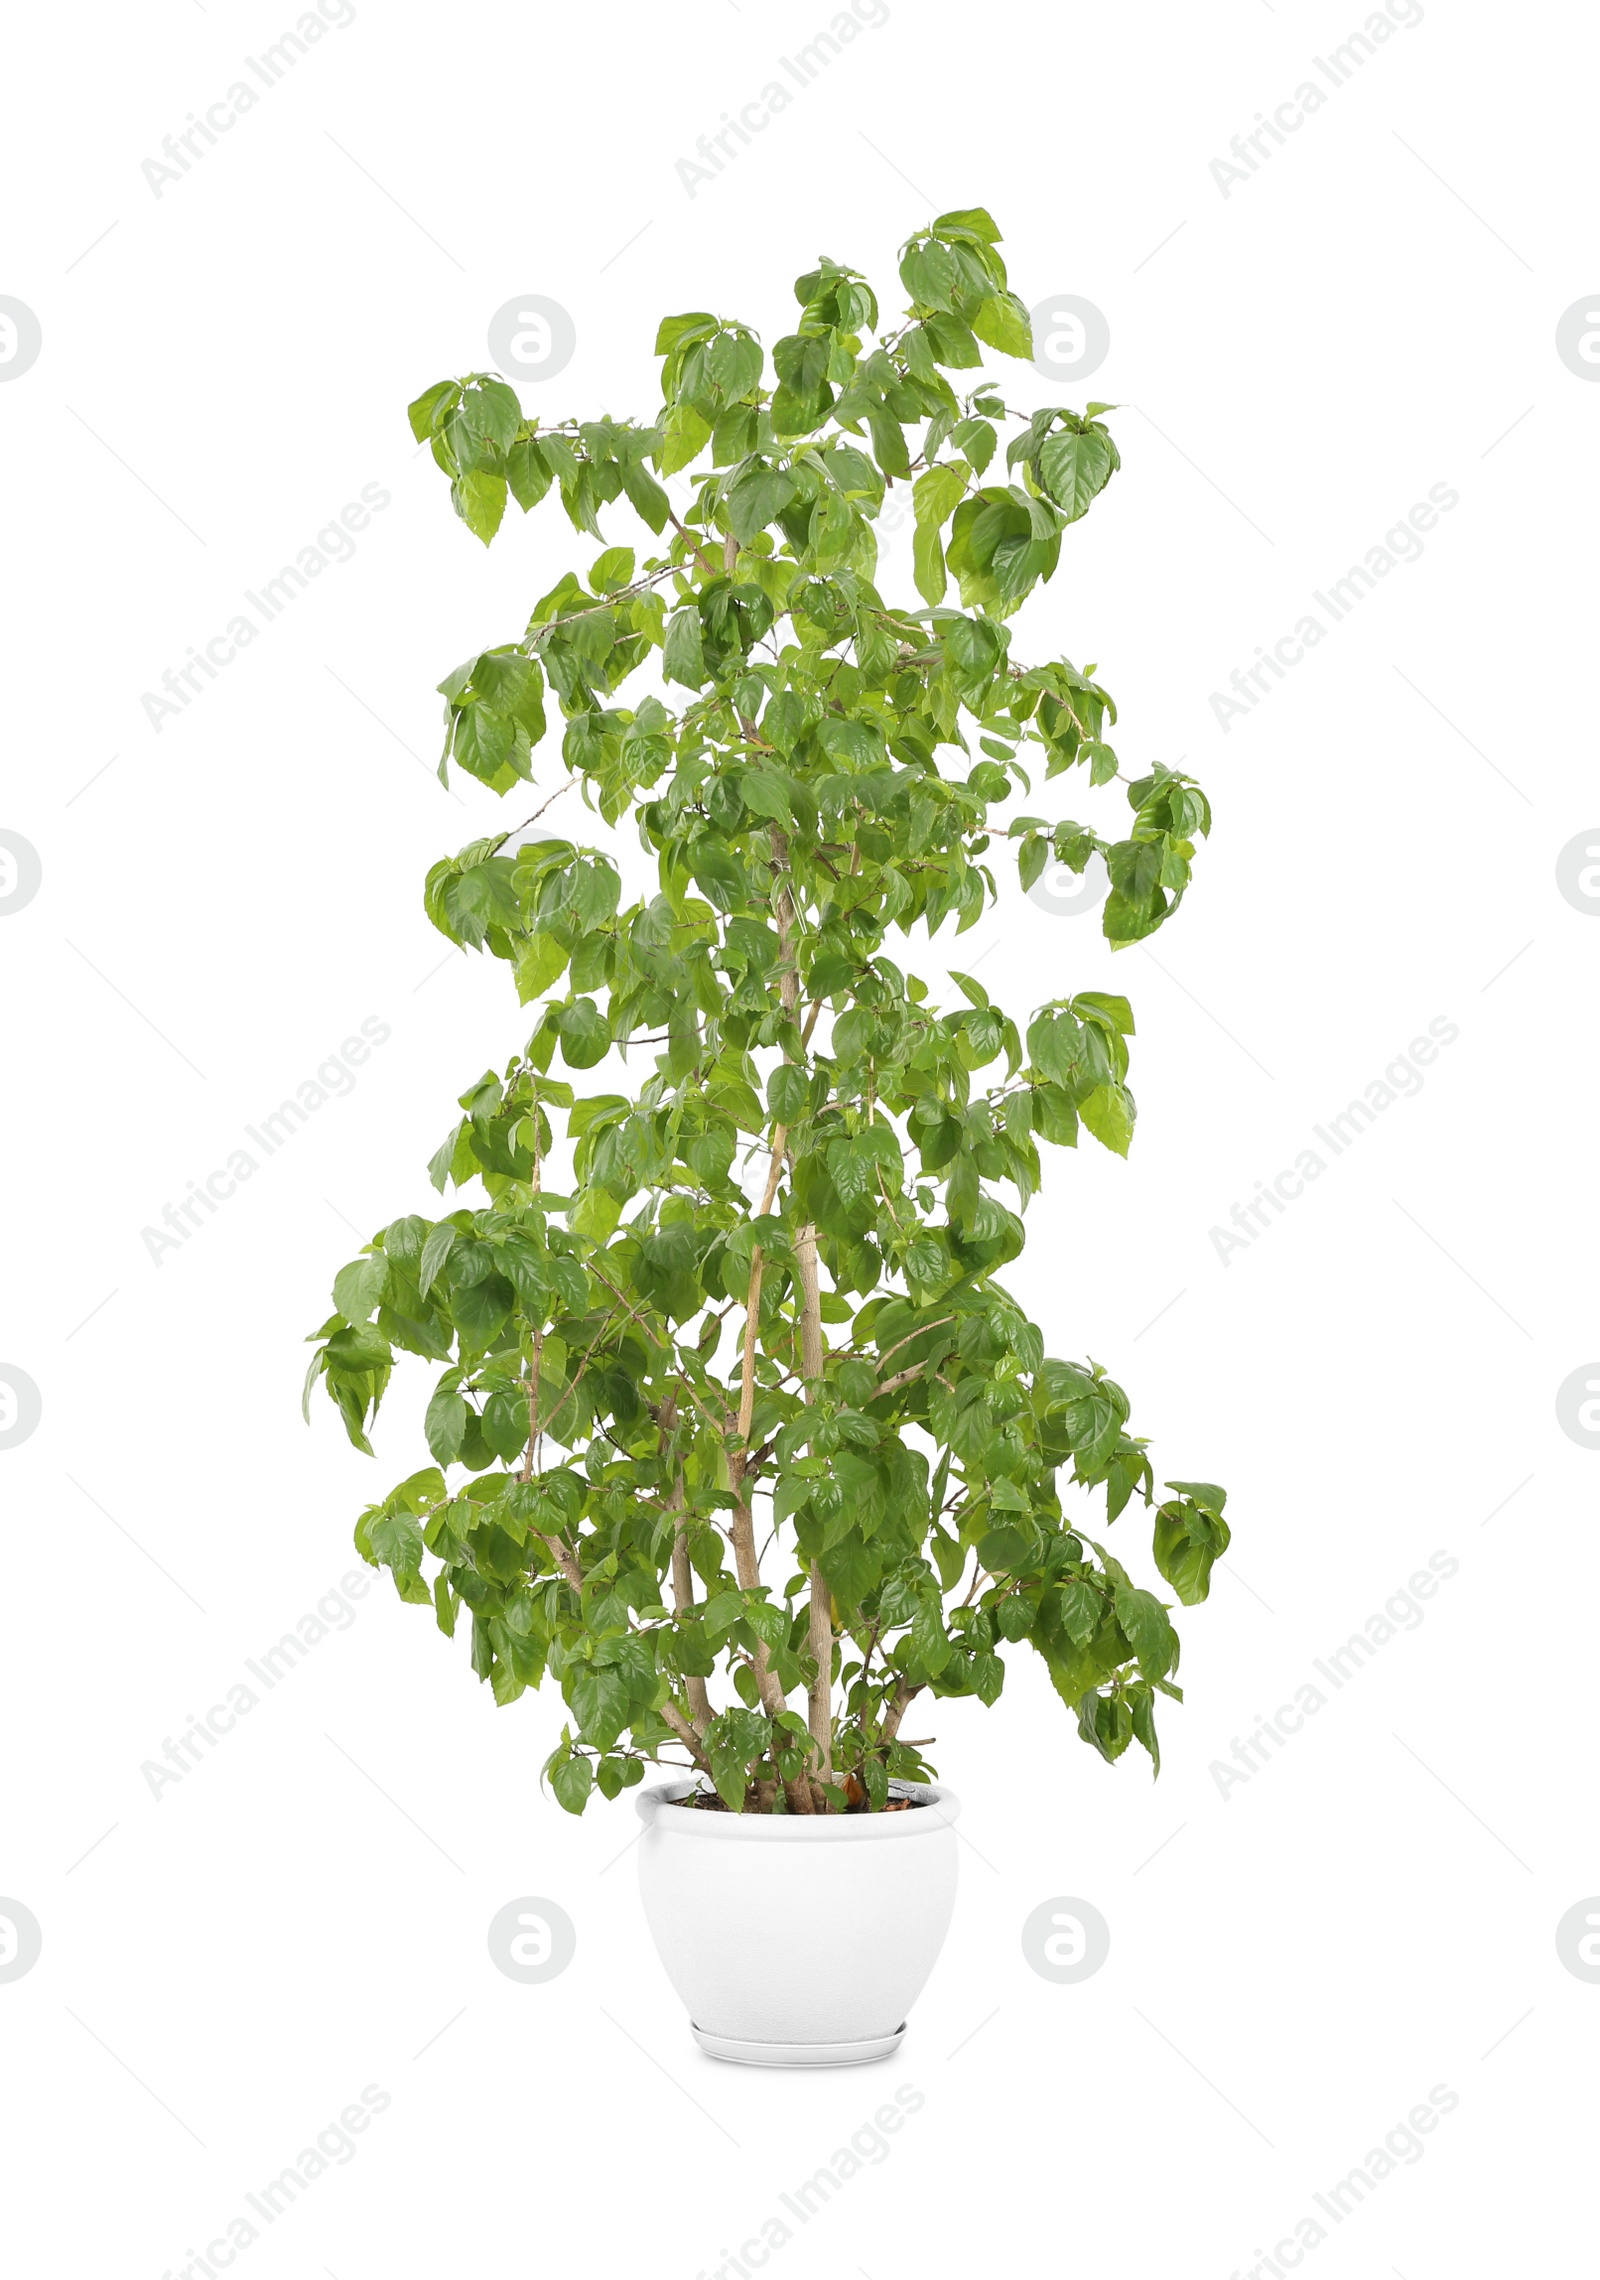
x=549, y=1424
x=606, y=602
x=683, y=1598
x=900, y=1378
x=871, y=1646
x=538, y=811
x=904, y=1695
x=633, y=1312
x=920, y=1331
x=565, y=1561
x=752, y=1309
x=883, y=1190
x=719, y=1430
x=704, y=560
x=742, y=1534
x=672, y=1716
x=533, y=1406
x=819, y=1627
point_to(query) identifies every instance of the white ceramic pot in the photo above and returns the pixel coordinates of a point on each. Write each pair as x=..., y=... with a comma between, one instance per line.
x=797, y=1940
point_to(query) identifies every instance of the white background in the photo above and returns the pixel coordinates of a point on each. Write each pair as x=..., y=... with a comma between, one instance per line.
x=1293, y=1964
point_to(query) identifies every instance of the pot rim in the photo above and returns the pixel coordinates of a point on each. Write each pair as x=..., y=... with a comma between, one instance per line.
x=937, y=1811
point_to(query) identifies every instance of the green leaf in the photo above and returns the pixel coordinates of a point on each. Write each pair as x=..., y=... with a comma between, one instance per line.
x=788, y=1091
x=971, y=218
x=445, y=1425
x=735, y=1742
x=1116, y=1009
x=361, y=1286
x=1142, y=1704
x=541, y=961
x=1055, y=1045
x=601, y=1702
x=1188, y=1542
x=595, y=1214
x=928, y=564
x=1014, y=1617
x=757, y=499
x=1108, y=1112
x=593, y=891
x=672, y=330
x=766, y=794
x=1149, y=1633
x=683, y=659
x=397, y=1541
x=492, y=412
x=1106, y=1722
x=1080, y=1608
x=480, y=501
x=1002, y=321
x=584, y=1032
x=1075, y=468
x=929, y=1645
x=937, y=494
x=684, y=436
x=424, y=411
x=976, y=440
x=928, y=273
x=505, y=1424
x=572, y=1778
x=437, y=1247
x=1005, y=1551
x=481, y=1308
x=612, y=569
x=1205, y=1493
x=733, y=364
x=527, y=473
x=645, y=494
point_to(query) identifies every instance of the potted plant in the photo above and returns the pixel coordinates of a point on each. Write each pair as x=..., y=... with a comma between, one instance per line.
x=738, y=1435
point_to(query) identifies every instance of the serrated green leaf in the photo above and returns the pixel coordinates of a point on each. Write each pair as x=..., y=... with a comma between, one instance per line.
x=1108, y=1112
x=1075, y=468
x=480, y=501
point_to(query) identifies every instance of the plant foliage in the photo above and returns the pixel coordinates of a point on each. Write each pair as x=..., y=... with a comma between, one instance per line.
x=730, y=1385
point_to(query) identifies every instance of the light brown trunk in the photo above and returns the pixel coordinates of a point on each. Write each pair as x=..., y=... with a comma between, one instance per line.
x=682, y=1597
x=748, y=1569
x=564, y=1557
x=819, y=1707
x=798, y=1793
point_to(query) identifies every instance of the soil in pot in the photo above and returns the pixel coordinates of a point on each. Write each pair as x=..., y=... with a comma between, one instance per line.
x=857, y=1801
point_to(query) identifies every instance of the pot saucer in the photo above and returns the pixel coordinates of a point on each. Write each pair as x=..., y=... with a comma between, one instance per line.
x=798, y=2054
